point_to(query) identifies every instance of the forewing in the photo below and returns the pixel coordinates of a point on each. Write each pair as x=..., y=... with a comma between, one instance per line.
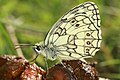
x=77, y=34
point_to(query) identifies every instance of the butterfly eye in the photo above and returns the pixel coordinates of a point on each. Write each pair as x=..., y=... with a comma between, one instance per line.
x=37, y=48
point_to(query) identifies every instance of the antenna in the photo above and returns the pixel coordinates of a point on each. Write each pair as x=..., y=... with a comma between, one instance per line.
x=22, y=45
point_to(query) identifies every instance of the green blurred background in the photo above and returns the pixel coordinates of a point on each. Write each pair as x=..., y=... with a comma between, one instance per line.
x=28, y=21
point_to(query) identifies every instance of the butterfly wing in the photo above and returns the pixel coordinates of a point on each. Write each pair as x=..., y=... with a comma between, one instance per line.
x=77, y=34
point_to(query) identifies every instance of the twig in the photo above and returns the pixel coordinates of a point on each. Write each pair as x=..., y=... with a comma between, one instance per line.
x=13, y=37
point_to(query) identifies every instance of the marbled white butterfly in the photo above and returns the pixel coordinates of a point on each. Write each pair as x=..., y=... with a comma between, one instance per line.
x=75, y=35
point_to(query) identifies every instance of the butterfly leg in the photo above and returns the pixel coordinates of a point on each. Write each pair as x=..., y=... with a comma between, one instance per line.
x=61, y=62
x=46, y=64
x=34, y=58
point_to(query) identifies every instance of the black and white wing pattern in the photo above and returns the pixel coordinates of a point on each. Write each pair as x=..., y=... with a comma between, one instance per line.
x=77, y=34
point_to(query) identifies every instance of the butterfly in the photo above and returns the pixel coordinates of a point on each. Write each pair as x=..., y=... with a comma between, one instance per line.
x=75, y=35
